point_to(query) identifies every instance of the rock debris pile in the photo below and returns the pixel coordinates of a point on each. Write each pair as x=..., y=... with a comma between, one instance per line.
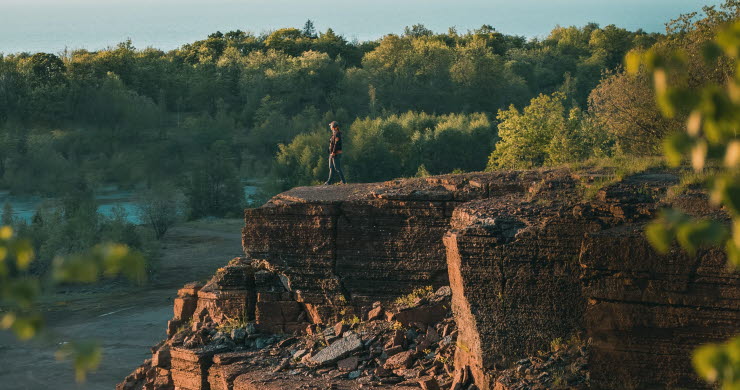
x=407, y=344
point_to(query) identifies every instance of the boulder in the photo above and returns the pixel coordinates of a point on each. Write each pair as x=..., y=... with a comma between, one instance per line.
x=422, y=315
x=348, y=364
x=338, y=350
x=399, y=360
x=162, y=357
x=376, y=313
x=428, y=383
x=340, y=328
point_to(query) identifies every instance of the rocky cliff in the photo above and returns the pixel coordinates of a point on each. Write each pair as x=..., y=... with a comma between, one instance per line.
x=548, y=287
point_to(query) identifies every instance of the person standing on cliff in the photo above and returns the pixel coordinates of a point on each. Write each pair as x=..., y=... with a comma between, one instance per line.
x=335, y=153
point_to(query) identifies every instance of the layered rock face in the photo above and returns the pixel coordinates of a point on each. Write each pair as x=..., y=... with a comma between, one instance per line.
x=344, y=247
x=544, y=279
x=527, y=269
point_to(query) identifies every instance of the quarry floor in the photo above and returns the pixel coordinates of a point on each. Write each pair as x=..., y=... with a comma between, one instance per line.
x=125, y=319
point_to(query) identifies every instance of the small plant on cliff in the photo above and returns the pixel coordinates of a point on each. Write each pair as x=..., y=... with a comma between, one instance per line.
x=422, y=171
x=411, y=299
x=557, y=344
x=711, y=138
x=352, y=321
x=535, y=189
x=233, y=323
x=616, y=169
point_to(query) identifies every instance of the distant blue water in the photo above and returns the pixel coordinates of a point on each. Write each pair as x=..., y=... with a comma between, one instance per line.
x=108, y=198
x=52, y=25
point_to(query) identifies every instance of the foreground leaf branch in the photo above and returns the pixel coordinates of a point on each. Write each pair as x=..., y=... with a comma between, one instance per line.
x=712, y=115
x=20, y=291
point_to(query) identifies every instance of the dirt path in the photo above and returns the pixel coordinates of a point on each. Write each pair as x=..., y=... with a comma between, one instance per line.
x=126, y=320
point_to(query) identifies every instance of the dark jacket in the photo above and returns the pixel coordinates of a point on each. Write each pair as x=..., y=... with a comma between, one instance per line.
x=335, y=143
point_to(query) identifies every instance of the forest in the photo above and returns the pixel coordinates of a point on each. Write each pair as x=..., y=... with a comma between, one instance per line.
x=197, y=122
x=238, y=105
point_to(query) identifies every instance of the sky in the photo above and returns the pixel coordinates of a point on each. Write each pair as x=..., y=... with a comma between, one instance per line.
x=53, y=25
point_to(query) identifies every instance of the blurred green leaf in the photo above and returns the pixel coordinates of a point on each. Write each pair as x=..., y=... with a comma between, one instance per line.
x=6, y=232
x=633, y=61
x=733, y=254
x=676, y=146
x=21, y=293
x=85, y=355
x=665, y=104
x=719, y=363
x=695, y=234
x=118, y=259
x=75, y=269
x=729, y=39
x=108, y=259
x=659, y=237
x=727, y=191
x=26, y=326
x=23, y=254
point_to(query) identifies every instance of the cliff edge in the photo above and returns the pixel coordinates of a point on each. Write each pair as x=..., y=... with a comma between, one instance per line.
x=548, y=287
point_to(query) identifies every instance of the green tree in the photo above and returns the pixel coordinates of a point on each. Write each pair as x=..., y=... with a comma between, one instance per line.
x=303, y=161
x=7, y=219
x=213, y=188
x=540, y=134
x=159, y=208
x=624, y=106
x=46, y=69
x=309, y=30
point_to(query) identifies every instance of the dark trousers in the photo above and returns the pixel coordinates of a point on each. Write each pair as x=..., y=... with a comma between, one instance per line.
x=335, y=165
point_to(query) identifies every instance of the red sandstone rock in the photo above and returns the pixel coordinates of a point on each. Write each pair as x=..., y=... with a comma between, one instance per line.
x=399, y=338
x=314, y=316
x=432, y=336
x=422, y=315
x=184, y=307
x=399, y=360
x=393, y=350
x=173, y=326
x=190, y=367
x=162, y=357
x=311, y=329
x=326, y=239
x=500, y=386
x=375, y=314
x=340, y=328
x=348, y=364
x=428, y=383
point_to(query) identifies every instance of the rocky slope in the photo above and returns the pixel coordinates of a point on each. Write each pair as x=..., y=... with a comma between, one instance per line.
x=549, y=289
